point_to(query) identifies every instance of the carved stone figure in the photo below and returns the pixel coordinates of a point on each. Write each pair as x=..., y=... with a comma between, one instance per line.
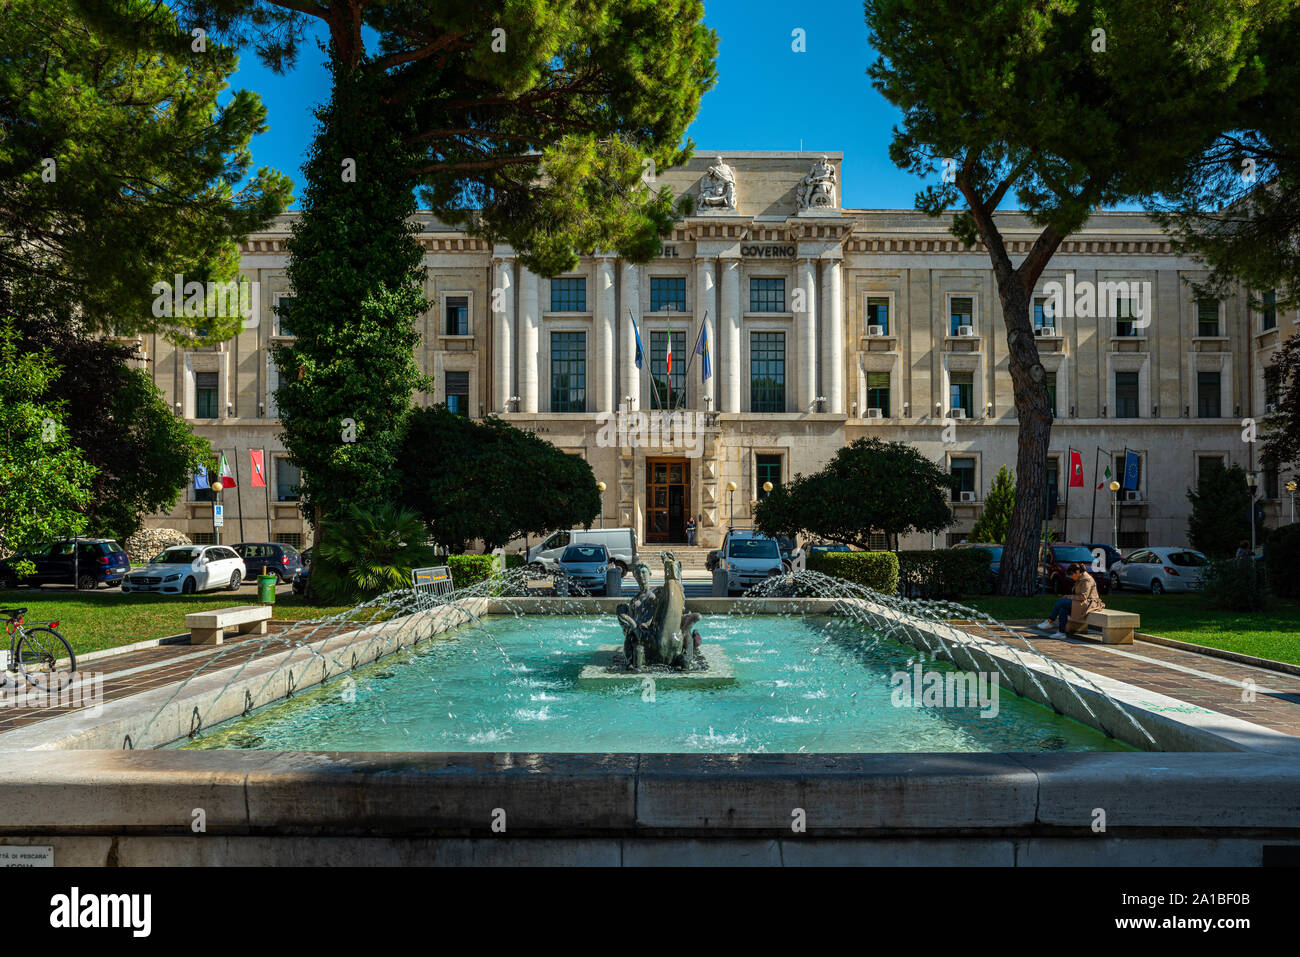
x=656, y=628
x=718, y=187
x=817, y=189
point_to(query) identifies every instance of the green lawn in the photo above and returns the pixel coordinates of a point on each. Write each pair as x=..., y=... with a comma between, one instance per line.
x=1274, y=633
x=108, y=619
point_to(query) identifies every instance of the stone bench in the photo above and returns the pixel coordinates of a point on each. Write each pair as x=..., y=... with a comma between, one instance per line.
x=210, y=627
x=1116, y=627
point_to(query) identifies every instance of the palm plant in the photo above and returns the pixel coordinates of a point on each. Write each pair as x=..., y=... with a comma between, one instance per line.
x=372, y=551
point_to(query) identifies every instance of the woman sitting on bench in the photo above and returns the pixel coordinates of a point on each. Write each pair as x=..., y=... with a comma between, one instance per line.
x=1085, y=593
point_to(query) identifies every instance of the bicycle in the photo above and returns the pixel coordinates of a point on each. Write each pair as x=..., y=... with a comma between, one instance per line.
x=35, y=652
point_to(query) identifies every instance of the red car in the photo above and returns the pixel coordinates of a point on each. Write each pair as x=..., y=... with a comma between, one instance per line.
x=1059, y=556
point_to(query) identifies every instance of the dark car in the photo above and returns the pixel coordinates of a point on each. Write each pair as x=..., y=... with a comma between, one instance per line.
x=282, y=561
x=1110, y=554
x=84, y=561
x=1058, y=557
x=821, y=548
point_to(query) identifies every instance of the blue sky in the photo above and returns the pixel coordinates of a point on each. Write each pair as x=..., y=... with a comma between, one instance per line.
x=767, y=96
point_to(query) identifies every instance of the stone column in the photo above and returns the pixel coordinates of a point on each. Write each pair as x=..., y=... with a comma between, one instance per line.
x=530, y=321
x=503, y=336
x=605, y=321
x=832, y=337
x=729, y=324
x=706, y=311
x=629, y=305
x=805, y=336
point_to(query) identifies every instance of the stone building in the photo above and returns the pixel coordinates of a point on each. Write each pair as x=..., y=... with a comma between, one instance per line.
x=822, y=324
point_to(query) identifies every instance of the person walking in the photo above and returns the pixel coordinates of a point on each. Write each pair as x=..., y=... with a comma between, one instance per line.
x=690, y=531
x=1085, y=593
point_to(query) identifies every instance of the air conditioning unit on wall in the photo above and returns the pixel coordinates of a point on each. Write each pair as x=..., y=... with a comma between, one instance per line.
x=966, y=332
x=1047, y=331
x=968, y=496
x=1132, y=495
x=875, y=330
x=957, y=413
x=874, y=413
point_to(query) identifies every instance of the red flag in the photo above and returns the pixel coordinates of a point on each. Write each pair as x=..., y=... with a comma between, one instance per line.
x=259, y=477
x=1076, y=470
x=670, y=352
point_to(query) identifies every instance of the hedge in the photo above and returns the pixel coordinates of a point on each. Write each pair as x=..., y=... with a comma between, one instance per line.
x=1282, y=556
x=468, y=570
x=945, y=573
x=876, y=570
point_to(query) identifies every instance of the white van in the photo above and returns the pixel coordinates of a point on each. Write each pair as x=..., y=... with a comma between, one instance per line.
x=619, y=542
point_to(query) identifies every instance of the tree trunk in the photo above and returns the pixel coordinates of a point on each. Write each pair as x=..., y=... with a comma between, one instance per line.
x=1019, y=572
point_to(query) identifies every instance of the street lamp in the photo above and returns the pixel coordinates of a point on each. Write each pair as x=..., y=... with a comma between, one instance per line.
x=1252, y=480
x=731, y=503
x=216, y=500
x=602, y=487
x=1114, y=513
x=1291, y=487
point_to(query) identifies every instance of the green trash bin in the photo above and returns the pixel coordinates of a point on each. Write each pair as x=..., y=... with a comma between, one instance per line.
x=266, y=588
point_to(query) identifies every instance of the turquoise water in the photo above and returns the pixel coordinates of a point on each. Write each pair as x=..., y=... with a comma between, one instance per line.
x=811, y=685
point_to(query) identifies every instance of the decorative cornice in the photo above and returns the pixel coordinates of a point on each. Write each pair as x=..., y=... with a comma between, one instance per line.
x=920, y=246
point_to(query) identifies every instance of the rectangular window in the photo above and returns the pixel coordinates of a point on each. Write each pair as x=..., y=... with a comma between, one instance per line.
x=1053, y=485
x=767, y=372
x=1051, y=392
x=1272, y=388
x=667, y=391
x=1207, y=395
x=961, y=392
x=1042, y=305
x=878, y=392
x=282, y=307
x=568, y=372
x=1124, y=325
x=205, y=395
x=1126, y=395
x=457, y=316
x=457, y=387
x=667, y=292
x=1270, y=483
x=569, y=295
x=963, y=473
x=878, y=313
x=767, y=468
x=204, y=538
x=1119, y=475
x=204, y=494
x=1205, y=464
x=289, y=538
x=767, y=295
x=1207, y=317
x=1268, y=316
x=287, y=480
x=961, y=312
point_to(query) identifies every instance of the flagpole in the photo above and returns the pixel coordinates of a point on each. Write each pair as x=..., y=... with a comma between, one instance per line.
x=266, y=484
x=239, y=495
x=690, y=359
x=654, y=389
x=1092, y=525
x=1069, y=455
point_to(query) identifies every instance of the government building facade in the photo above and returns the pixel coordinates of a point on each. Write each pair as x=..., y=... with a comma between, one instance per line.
x=819, y=325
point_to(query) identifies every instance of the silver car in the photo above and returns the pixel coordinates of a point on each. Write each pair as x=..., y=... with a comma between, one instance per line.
x=1159, y=570
x=586, y=565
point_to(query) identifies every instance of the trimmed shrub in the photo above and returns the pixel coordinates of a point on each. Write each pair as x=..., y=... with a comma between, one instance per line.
x=469, y=570
x=1282, y=555
x=1234, y=585
x=877, y=570
x=945, y=573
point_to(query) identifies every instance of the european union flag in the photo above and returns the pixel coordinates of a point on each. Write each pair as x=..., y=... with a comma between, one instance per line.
x=1130, y=469
x=201, y=478
x=640, y=354
x=702, y=350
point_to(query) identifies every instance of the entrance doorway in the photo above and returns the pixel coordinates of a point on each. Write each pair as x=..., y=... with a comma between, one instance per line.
x=668, y=499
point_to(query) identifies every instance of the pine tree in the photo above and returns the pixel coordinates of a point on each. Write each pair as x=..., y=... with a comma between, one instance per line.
x=995, y=517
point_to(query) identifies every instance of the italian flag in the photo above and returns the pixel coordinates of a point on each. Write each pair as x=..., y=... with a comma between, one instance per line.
x=227, y=477
x=670, y=350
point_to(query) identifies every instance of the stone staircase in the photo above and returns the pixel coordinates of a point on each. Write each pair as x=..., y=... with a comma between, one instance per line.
x=691, y=556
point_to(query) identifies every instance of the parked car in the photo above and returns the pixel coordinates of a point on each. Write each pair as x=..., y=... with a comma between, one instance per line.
x=995, y=559
x=282, y=561
x=185, y=569
x=1057, y=559
x=620, y=543
x=821, y=548
x=585, y=565
x=751, y=557
x=1109, y=554
x=84, y=561
x=1159, y=570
